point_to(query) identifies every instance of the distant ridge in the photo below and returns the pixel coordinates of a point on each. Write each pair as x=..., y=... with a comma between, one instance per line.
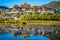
x=3, y=7
x=54, y=4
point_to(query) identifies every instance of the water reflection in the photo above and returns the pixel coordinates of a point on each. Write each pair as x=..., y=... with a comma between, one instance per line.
x=29, y=29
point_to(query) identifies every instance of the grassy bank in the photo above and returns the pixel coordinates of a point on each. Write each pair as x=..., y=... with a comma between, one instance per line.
x=36, y=22
x=31, y=22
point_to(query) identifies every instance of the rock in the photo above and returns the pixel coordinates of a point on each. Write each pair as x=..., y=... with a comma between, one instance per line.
x=23, y=22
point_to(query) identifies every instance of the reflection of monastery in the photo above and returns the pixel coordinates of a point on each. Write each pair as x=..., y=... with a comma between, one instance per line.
x=33, y=30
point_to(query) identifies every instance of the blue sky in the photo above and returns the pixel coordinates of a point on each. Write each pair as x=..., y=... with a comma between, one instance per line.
x=11, y=3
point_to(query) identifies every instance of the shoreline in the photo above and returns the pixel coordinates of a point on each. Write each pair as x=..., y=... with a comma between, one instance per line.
x=36, y=22
x=32, y=22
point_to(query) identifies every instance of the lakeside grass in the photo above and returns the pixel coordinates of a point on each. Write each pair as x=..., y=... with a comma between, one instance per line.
x=42, y=22
x=32, y=22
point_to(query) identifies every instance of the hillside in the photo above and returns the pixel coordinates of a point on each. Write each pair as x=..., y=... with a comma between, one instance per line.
x=54, y=4
x=3, y=7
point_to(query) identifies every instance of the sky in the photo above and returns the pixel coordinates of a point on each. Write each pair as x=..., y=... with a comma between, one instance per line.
x=11, y=3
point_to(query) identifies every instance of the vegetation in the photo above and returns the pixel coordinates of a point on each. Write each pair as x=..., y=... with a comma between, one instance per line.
x=6, y=21
x=42, y=22
x=44, y=16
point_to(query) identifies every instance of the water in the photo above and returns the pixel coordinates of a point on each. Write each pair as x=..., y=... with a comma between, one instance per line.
x=19, y=37
x=6, y=31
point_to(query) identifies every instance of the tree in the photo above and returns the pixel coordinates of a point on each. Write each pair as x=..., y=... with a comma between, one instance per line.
x=45, y=16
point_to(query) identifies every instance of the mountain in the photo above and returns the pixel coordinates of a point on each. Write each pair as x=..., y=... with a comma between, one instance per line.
x=54, y=4
x=3, y=7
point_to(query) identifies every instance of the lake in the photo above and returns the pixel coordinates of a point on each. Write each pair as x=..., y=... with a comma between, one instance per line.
x=19, y=37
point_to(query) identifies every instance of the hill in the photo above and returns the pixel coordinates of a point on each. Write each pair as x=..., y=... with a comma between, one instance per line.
x=3, y=7
x=54, y=4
